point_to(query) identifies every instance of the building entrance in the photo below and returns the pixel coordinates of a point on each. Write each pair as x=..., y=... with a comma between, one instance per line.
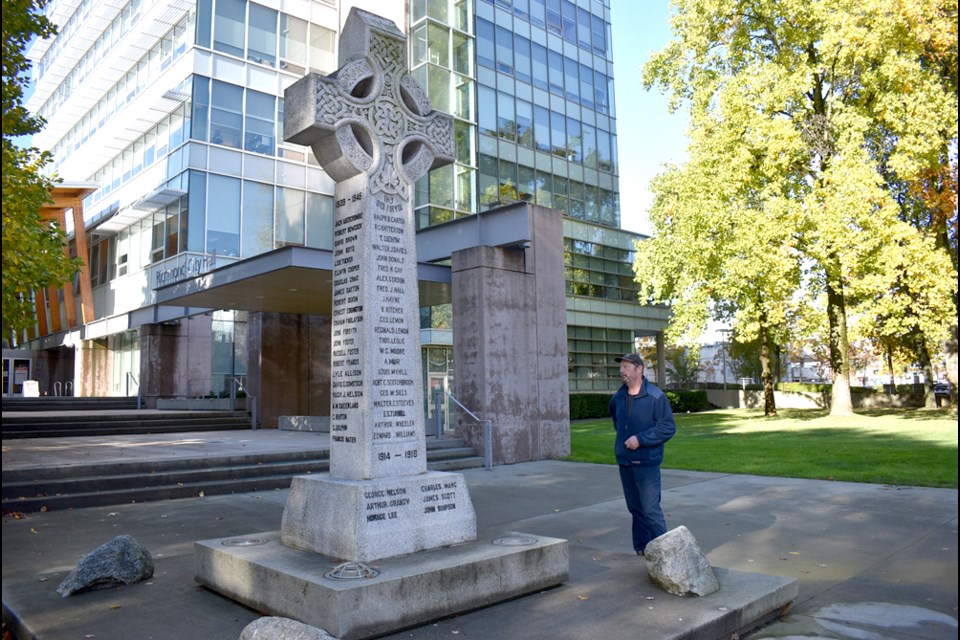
x=16, y=371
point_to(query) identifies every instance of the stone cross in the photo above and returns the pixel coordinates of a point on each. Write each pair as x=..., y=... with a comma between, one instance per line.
x=374, y=132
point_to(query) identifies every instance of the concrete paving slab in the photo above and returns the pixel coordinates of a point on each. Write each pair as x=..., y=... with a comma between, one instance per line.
x=847, y=544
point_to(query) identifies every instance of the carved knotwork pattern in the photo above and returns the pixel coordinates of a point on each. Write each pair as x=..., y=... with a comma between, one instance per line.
x=416, y=93
x=388, y=53
x=352, y=149
x=353, y=73
x=390, y=122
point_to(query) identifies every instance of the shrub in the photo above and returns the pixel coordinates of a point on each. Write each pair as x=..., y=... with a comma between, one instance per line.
x=597, y=405
x=802, y=387
x=589, y=405
x=688, y=400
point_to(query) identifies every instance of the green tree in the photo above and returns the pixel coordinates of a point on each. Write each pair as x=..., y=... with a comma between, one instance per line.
x=33, y=255
x=798, y=112
x=683, y=366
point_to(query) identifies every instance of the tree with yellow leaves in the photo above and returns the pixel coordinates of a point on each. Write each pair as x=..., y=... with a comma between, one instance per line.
x=804, y=116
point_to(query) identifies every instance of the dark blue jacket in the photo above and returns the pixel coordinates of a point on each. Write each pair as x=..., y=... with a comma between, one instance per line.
x=650, y=419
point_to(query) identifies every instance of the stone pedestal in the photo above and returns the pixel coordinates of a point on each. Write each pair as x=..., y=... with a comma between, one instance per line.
x=266, y=575
x=378, y=518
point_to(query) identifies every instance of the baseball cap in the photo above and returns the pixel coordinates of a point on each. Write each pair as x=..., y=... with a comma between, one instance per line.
x=632, y=358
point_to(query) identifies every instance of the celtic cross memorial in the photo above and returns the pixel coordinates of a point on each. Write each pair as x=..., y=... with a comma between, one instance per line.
x=374, y=132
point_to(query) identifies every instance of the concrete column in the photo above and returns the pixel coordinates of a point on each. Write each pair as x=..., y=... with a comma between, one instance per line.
x=175, y=359
x=510, y=344
x=93, y=364
x=288, y=365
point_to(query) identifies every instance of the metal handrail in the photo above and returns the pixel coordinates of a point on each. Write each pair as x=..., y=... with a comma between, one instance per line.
x=237, y=385
x=130, y=377
x=487, y=433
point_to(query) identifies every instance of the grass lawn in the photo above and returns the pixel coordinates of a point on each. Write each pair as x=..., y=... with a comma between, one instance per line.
x=898, y=447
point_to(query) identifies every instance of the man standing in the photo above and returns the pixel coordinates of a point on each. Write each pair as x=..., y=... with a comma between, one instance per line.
x=644, y=422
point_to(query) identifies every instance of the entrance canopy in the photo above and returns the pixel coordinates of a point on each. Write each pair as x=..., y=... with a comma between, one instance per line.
x=287, y=280
x=300, y=279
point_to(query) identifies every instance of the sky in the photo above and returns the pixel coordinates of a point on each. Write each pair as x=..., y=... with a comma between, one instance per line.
x=648, y=136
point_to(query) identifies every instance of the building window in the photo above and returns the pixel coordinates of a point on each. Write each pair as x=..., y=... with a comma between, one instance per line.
x=259, y=122
x=485, y=47
x=257, y=219
x=506, y=118
x=319, y=222
x=226, y=120
x=293, y=44
x=323, y=57
x=290, y=217
x=262, y=44
x=229, y=26
x=223, y=218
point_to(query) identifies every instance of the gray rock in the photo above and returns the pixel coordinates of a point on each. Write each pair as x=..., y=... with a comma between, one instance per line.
x=277, y=628
x=676, y=564
x=123, y=560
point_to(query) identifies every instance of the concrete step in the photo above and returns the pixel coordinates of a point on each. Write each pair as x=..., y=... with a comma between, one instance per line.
x=122, y=422
x=67, y=403
x=78, y=486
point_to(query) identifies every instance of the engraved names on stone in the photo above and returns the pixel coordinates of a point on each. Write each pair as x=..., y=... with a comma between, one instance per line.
x=374, y=285
x=434, y=496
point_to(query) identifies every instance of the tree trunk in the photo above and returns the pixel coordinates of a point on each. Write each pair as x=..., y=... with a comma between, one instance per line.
x=892, y=387
x=769, y=401
x=950, y=349
x=929, y=398
x=841, y=404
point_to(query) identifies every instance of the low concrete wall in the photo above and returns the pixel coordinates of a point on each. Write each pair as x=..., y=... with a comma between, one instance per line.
x=753, y=399
x=201, y=404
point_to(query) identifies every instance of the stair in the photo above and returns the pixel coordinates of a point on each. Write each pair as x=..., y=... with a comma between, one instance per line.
x=90, y=485
x=106, y=422
x=67, y=403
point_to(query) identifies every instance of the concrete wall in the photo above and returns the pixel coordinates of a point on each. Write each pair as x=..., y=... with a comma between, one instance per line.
x=175, y=358
x=288, y=366
x=510, y=344
x=753, y=399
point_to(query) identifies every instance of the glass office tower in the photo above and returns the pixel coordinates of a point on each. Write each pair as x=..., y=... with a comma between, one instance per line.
x=530, y=84
x=174, y=109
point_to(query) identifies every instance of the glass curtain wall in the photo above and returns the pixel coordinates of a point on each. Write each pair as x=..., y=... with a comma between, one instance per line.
x=546, y=125
x=442, y=60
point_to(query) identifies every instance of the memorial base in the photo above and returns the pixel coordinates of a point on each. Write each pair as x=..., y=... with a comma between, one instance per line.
x=262, y=573
x=366, y=520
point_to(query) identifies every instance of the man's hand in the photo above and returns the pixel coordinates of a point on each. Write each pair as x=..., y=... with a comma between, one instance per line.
x=632, y=443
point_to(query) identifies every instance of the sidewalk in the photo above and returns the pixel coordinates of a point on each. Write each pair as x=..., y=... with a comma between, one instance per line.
x=850, y=546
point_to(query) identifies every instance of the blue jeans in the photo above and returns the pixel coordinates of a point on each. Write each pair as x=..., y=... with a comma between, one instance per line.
x=641, y=489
